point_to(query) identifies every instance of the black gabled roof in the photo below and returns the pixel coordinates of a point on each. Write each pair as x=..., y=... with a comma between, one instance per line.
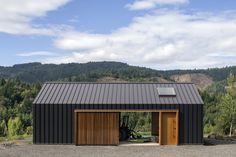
x=116, y=93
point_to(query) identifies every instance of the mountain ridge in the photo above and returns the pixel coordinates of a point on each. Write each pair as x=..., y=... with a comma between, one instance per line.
x=37, y=72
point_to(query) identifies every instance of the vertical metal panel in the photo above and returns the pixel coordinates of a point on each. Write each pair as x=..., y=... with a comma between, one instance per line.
x=186, y=126
x=201, y=122
x=181, y=123
x=46, y=123
x=51, y=120
x=72, y=123
x=55, y=124
x=38, y=114
x=60, y=127
x=64, y=122
x=190, y=123
x=42, y=122
x=195, y=123
x=69, y=126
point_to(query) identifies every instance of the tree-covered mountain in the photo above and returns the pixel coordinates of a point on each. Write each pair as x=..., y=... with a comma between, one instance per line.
x=93, y=71
x=37, y=72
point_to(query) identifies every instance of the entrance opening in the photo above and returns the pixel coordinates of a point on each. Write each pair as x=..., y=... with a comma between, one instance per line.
x=139, y=128
x=104, y=127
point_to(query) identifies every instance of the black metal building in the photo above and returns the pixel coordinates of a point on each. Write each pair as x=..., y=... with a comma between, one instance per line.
x=56, y=103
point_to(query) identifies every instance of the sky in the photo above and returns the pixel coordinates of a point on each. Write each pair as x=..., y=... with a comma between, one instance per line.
x=160, y=34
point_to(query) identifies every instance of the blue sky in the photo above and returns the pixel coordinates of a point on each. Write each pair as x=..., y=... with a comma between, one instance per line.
x=161, y=34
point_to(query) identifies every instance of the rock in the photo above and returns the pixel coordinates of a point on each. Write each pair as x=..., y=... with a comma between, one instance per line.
x=212, y=136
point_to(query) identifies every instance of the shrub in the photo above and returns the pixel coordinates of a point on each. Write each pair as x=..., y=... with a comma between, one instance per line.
x=3, y=128
x=14, y=127
x=29, y=130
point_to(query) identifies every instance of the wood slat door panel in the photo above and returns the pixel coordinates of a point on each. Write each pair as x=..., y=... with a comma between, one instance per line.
x=97, y=129
x=169, y=126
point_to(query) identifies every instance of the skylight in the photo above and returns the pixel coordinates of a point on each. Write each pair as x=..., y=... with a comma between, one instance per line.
x=166, y=91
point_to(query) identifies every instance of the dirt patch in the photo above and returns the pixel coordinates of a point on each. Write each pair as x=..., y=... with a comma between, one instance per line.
x=200, y=80
x=110, y=79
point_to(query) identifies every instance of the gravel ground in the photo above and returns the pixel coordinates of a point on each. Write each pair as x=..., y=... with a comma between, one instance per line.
x=226, y=150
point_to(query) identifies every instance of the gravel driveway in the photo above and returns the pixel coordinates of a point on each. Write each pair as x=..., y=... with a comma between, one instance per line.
x=228, y=150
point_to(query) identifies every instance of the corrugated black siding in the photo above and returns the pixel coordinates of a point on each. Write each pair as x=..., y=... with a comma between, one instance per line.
x=54, y=123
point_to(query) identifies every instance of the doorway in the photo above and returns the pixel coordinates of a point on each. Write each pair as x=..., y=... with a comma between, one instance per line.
x=168, y=128
x=103, y=127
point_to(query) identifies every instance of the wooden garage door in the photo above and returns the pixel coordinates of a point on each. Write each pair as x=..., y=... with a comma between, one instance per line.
x=169, y=128
x=96, y=128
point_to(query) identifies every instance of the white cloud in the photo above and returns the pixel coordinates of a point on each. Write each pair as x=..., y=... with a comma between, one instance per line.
x=148, y=4
x=16, y=16
x=86, y=41
x=36, y=53
x=164, y=40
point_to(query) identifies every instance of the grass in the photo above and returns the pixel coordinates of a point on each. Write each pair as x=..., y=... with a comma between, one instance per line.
x=18, y=137
x=2, y=139
x=136, y=140
x=147, y=133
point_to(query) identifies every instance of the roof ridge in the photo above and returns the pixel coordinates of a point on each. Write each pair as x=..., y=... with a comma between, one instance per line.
x=61, y=82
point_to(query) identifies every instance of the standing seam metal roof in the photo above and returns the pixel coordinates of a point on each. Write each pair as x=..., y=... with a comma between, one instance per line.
x=115, y=93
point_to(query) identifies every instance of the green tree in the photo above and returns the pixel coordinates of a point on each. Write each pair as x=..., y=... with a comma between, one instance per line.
x=227, y=114
x=231, y=85
x=227, y=107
